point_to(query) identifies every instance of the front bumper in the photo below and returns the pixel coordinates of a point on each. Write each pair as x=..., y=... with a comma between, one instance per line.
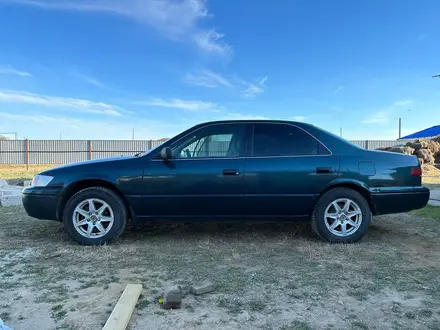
x=41, y=202
x=399, y=200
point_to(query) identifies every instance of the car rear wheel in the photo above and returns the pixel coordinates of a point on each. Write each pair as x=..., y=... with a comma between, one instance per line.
x=341, y=215
x=94, y=216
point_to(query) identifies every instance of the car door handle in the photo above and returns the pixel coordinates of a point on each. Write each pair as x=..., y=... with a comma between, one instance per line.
x=231, y=172
x=323, y=170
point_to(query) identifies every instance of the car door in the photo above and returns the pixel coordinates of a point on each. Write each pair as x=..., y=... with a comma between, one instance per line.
x=286, y=169
x=204, y=177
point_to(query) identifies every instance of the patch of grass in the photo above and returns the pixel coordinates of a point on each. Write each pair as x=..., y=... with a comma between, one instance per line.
x=297, y=325
x=233, y=305
x=359, y=325
x=88, y=284
x=5, y=316
x=359, y=294
x=417, y=314
x=58, y=313
x=143, y=302
x=257, y=305
x=429, y=211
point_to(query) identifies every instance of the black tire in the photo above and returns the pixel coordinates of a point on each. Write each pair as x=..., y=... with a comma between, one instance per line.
x=318, y=219
x=106, y=195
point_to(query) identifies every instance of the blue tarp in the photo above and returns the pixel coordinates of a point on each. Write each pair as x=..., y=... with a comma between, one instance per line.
x=429, y=132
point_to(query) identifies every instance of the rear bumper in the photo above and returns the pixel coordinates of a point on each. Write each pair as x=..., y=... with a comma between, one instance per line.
x=41, y=203
x=399, y=201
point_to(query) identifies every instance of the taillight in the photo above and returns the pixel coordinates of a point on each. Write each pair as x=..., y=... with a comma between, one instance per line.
x=416, y=171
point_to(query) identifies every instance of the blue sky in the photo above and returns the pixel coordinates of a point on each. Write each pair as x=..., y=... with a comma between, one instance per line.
x=96, y=69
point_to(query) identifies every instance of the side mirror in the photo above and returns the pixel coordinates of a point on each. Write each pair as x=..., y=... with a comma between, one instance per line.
x=165, y=153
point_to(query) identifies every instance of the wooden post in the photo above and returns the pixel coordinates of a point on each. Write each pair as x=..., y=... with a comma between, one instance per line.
x=27, y=154
x=90, y=149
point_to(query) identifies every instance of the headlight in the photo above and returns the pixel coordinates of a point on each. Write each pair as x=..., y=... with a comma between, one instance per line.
x=41, y=180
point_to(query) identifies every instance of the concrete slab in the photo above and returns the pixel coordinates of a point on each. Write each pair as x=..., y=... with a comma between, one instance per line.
x=10, y=200
x=10, y=195
x=434, y=197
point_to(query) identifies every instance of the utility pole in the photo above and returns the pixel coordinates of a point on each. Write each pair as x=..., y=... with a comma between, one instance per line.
x=400, y=127
x=340, y=131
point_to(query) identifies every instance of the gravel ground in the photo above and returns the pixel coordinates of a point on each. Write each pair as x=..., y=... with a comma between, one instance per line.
x=267, y=276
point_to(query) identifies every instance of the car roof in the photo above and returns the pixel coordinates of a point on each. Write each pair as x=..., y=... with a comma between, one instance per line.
x=265, y=121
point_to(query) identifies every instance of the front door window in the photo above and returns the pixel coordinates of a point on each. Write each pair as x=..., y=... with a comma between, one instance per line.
x=215, y=141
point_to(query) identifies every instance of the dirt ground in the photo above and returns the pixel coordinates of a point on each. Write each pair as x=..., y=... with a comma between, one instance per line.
x=267, y=276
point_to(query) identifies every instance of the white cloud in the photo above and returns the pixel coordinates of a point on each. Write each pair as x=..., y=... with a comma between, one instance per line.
x=338, y=90
x=253, y=89
x=207, y=78
x=402, y=103
x=91, y=80
x=378, y=118
x=9, y=96
x=112, y=128
x=212, y=42
x=192, y=105
x=299, y=118
x=9, y=70
x=178, y=19
x=382, y=116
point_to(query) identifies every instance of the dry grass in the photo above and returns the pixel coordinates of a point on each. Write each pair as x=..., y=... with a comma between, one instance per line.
x=431, y=174
x=268, y=276
x=17, y=173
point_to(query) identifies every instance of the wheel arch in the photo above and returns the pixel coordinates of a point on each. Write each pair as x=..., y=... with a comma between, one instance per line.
x=77, y=186
x=358, y=186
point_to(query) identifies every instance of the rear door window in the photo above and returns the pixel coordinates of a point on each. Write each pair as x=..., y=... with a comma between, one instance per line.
x=272, y=140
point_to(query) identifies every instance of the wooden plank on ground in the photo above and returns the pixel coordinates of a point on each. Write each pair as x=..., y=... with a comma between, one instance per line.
x=121, y=314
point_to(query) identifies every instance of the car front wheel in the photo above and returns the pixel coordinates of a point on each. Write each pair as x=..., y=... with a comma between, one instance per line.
x=341, y=215
x=94, y=216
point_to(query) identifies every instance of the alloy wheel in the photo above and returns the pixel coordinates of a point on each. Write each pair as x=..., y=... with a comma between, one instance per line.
x=93, y=218
x=343, y=217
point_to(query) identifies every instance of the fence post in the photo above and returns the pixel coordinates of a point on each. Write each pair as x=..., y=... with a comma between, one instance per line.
x=90, y=149
x=27, y=154
x=366, y=145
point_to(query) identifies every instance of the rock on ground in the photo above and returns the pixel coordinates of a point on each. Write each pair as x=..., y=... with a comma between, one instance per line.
x=172, y=298
x=202, y=288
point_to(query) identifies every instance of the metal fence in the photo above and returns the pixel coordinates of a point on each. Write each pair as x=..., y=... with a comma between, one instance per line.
x=68, y=151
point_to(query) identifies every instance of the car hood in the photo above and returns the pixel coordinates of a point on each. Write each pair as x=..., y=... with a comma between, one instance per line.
x=91, y=162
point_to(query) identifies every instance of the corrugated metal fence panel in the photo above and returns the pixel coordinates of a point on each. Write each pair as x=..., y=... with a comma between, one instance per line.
x=57, y=151
x=156, y=143
x=374, y=144
x=12, y=152
x=359, y=143
x=132, y=146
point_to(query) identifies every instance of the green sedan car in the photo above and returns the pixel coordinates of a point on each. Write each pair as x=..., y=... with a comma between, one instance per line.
x=230, y=171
